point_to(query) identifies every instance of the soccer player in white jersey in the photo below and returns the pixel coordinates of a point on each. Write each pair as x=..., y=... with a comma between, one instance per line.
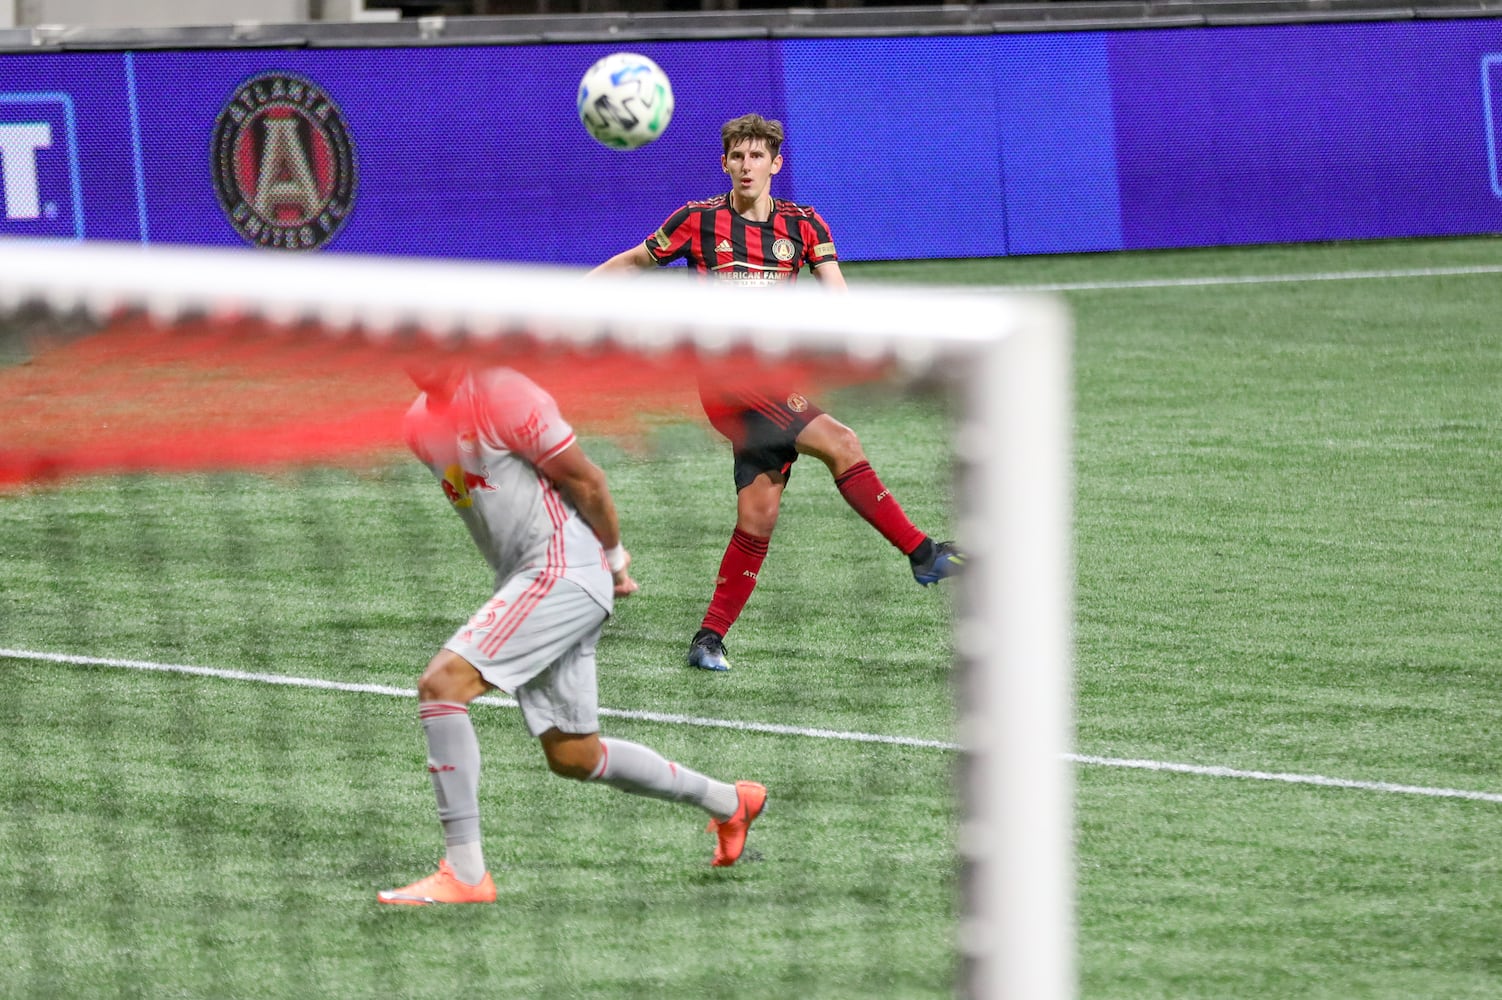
x=542, y=515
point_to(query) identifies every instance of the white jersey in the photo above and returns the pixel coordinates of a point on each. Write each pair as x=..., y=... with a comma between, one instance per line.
x=486, y=448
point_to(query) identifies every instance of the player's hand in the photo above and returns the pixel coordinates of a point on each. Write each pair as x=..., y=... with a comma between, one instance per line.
x=619, y=562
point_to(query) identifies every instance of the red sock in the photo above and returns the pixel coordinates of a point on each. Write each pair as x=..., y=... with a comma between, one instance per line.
x=862, y=490
x=743, y=558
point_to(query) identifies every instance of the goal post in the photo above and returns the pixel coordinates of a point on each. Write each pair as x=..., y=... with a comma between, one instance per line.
x=1014, y=641
x=1008, y=357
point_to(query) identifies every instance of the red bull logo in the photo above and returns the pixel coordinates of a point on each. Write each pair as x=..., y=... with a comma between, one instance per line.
x=459, y=484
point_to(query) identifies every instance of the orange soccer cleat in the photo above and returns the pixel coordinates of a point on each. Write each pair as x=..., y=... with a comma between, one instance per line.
x=440, y=887
x=732, y=832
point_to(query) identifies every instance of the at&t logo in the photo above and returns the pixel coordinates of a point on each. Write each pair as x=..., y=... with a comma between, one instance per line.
x=18, y=164
x=39, y=180
x=284, y=166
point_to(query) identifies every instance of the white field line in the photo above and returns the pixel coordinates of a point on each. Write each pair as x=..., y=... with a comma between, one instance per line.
x=758, y=727
x=1291, y=779
x=1249, y=279
x=396, y=692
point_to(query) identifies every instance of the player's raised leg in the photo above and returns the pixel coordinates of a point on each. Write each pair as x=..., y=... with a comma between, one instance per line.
x=839, y=448
x=640, y=770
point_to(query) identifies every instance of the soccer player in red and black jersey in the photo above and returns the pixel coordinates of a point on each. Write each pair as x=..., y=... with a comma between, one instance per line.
x=747, y=238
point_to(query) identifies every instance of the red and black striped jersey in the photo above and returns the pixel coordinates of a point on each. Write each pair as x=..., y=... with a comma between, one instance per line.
x=721, y=244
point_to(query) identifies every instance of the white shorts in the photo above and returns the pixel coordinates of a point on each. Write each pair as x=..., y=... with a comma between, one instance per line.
x=535, y=640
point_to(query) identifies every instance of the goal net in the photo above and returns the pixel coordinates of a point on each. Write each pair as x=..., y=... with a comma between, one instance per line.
x=222, y=573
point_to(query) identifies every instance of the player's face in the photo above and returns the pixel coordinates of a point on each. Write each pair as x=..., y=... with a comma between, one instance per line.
x=435, y=376
x=750, y=167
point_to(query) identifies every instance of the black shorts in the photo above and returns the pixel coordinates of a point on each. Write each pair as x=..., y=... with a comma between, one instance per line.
x=762, y=428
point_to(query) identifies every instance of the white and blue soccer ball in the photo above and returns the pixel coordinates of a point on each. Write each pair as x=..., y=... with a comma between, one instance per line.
x=625, y=100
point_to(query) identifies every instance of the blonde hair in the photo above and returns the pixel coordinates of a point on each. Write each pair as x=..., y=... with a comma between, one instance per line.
x=739, y=130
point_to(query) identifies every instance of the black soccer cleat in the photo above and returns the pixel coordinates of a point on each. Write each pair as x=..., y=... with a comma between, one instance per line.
x=707, y=651
x=943, y=561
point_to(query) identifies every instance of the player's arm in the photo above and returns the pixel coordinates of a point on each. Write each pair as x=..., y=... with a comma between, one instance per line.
x=582, y=482
x=666, y=245
x=633, y=258
x=820, y=254
x=829, y=277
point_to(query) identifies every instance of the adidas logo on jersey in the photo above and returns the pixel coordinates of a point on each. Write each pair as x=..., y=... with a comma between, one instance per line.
x=724, y=247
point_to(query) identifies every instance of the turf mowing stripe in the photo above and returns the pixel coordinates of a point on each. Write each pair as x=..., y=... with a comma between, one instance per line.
x=1248, y=279
x=760, y=727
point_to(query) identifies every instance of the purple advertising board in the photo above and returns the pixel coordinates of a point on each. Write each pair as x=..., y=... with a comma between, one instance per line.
x=458, y=152
x=1321, y=132
x=67, y=147
x=928, y=147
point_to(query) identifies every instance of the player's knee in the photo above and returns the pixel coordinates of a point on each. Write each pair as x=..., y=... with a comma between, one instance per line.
x=570, y=756
x=571, y=766
x=832, y=443
x=756, y=509
x=566, y=770
x=758, y=518
x=845, y=447
x=449, y=678
x=431, y=685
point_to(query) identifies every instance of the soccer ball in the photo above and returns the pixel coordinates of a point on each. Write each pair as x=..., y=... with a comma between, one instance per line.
x=625, y=100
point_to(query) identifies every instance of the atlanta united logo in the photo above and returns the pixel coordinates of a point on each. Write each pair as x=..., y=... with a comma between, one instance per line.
x=284, y=165
x=783, y=250
x=797, y=403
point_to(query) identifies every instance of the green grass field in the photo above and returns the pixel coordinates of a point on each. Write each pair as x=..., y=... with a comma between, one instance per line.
x=1289, y=561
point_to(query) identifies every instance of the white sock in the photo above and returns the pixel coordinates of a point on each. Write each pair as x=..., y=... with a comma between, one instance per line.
x=467, y=861
x=454, y=766
x=641, y=770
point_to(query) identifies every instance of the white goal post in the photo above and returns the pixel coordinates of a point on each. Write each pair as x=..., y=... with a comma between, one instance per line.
x=1008, y=354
